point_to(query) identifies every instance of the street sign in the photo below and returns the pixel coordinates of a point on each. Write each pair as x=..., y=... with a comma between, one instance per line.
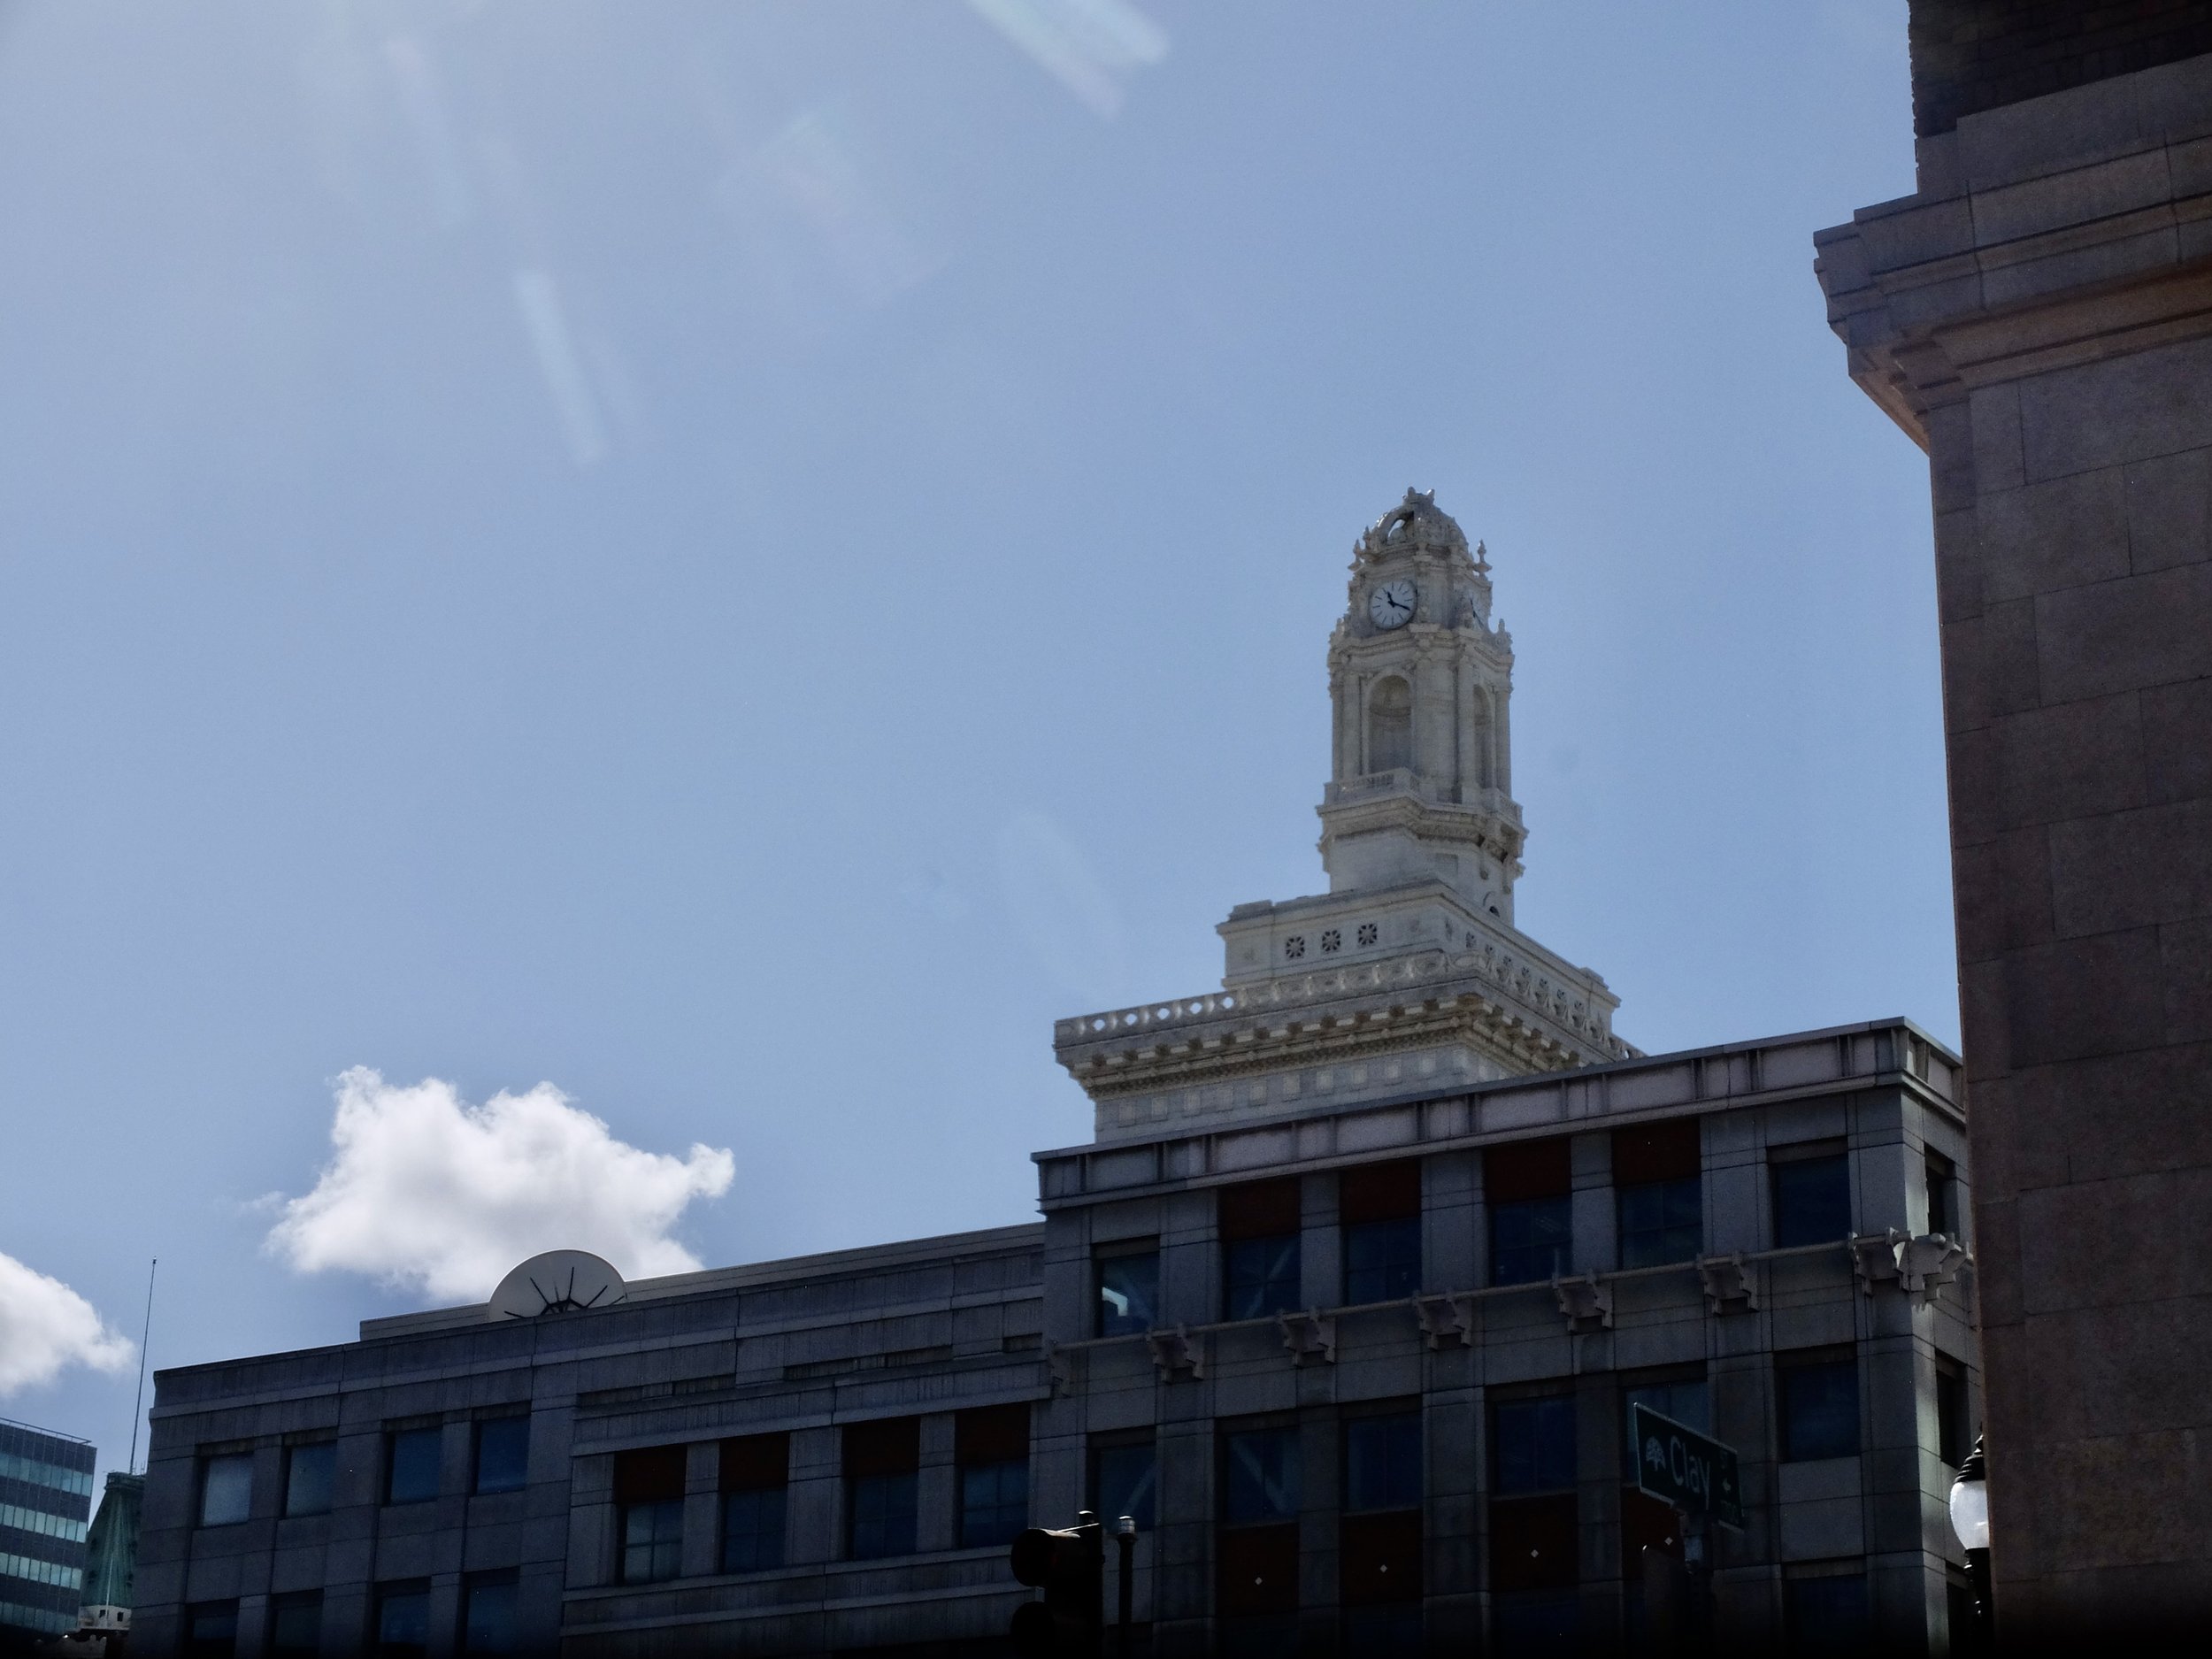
x=1678, y=1465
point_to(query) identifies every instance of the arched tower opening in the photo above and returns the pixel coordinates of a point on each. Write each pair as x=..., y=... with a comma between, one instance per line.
x=1389, y=725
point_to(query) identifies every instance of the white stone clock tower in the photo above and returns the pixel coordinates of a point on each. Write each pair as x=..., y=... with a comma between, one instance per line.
x=1409, y=972
x=1420, y=786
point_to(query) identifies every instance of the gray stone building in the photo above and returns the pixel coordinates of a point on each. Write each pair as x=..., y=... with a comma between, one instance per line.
x=2037, y=315
x=1345, y=1304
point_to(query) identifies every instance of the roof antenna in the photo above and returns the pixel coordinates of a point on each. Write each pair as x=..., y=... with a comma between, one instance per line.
x=138, y=1406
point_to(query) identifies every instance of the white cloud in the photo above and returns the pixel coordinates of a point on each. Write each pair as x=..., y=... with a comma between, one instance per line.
x=429, y=1191
x=45, y=1325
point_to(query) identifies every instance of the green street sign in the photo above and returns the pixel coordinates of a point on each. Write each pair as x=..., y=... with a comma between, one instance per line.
x=1678, y=1465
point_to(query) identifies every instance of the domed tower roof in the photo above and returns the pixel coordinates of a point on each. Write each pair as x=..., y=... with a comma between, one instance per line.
x=1414, y=522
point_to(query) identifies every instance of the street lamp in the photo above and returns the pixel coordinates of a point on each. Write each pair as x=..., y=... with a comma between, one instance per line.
x=1970, y=1519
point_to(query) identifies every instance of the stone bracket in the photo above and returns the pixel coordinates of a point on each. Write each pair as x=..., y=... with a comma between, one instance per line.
x=1309, y=1335
x=1730, y=1286
x=1587, y=1305
x=1445, y=1317
x=1925, y=1263
x=1873, y=1257
x=1175, y=1352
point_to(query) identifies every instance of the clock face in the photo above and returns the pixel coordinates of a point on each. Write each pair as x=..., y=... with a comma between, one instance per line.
x=1390, y=604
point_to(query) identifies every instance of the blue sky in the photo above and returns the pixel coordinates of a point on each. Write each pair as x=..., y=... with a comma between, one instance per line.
x=737, y=559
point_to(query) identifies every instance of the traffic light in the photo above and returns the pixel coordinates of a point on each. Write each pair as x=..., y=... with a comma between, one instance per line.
x=1068, y=1564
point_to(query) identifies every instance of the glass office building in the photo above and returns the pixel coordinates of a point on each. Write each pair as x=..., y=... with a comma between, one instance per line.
x=45, y=1502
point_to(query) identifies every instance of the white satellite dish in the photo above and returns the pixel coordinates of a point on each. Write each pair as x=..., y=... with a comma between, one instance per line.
x=559, y=1281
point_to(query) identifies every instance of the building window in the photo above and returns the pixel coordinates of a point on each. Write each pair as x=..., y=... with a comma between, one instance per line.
x=226, y=1489
x=489, y=1613
x=410, y=1465
x=1125, y=1480
x=1533, y=1445
x=502, y=1453
x=308, y=1474
x=1659, y=1200
x=991, y=1449
x=1389, y=725
x=1256, y=1550
x=881, y=1460
x=1382, y=1461
x=1534, y=1567
x=1943, y=1198
x=1128, y=1290
x=1259, y=1223
x=756, y=1473
x=403, y=1621
x=1955, y=1427
x=1817, y=1392
x=1379, y=1207
x=210, y=1630
x=1825, y=1614
x=1379, y=1533
x=1528, y=1188
x=649, y=1495
x=1259, y=1476
x=1390, y=1631
x=295, y=1626
x=1812, y=1194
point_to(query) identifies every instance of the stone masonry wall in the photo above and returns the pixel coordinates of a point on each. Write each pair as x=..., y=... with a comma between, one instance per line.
x=1969, y=55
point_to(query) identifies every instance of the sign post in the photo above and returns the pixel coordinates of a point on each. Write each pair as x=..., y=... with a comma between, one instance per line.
x=1693, y=1471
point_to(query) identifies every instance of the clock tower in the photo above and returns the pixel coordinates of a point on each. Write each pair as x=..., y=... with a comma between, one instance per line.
x=1420, y=784
x=1408, y=974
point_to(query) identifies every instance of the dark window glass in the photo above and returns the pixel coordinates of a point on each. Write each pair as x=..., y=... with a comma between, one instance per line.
x=1943, y=1198
x=1379, y=1557
x=403, y=1621
x=1826, y=1615
x=1534, y=1444
x=308, y=1471
x=1387, y=1631
x=1531, y=1239
x=1260, y=1477
x=1687, y=1402
x=295, y=1626
x=502, y=1453
x=1820, y=1408
x=1257, y=1574
x=1812, y=1201
x=1382, y=1461
x=881, y=1519
x=487, y=1613
x=1125, y=1480
x=1253, y=1635
x=1533, y=1543
x=1382, y=1259
x=1545, y=1622
x=993, y=1502
x=210, y=1630
x=1260, y=1277
x=1128, y=1294
x=652, y=1540
x=1953, y=1417
x=752, y=1530
x=226, y=1489
x=1662, y=1221
x=411, y=1466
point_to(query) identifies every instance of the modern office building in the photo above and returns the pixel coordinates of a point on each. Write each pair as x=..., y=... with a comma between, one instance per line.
x=45, y=1494
x=1345, y=1303
x=2037, y=316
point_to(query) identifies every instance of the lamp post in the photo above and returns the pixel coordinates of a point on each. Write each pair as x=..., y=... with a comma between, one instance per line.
x=1970, y=1519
